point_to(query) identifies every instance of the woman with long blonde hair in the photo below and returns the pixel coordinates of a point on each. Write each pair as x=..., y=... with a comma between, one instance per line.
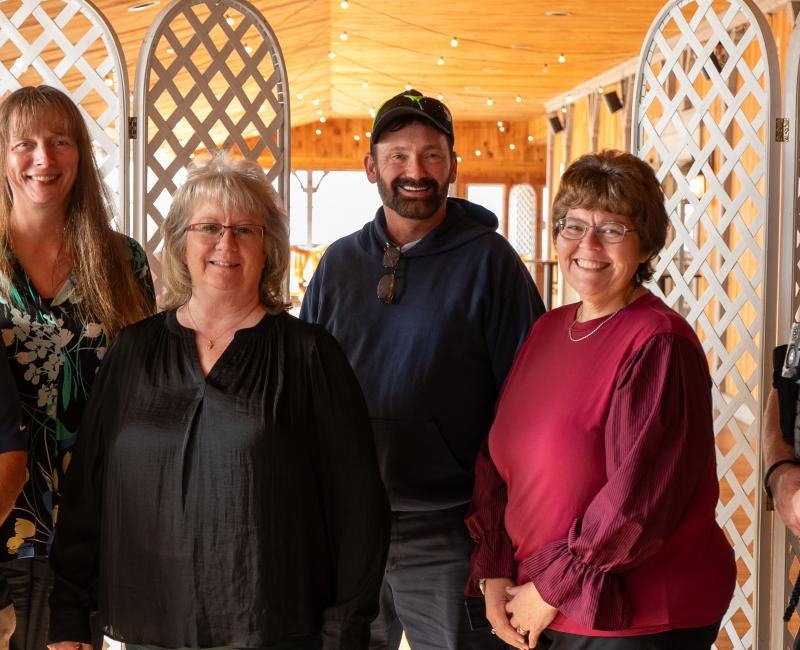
x=68, y=283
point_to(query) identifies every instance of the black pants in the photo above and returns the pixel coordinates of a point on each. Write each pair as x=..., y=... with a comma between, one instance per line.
x=696, y=638
x=29, y=583
x=423, y=587
x=309, y=643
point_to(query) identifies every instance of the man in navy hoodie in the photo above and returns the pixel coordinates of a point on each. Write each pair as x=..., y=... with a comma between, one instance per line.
x=430, y=304
x=13, y=463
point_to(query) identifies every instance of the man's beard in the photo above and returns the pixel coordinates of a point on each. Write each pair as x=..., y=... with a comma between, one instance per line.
x=410, y=208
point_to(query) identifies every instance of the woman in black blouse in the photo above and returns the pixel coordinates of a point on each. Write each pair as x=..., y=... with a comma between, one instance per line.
x=224, y=491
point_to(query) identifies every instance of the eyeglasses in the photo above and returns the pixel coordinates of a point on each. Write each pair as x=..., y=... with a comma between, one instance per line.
x=391, y=257
x=245, y=233
x=608, y=232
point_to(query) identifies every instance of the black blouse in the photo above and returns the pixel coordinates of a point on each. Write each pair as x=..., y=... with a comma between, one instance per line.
x=242, y=509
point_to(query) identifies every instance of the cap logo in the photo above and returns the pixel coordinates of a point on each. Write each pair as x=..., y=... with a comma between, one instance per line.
x=417, y=99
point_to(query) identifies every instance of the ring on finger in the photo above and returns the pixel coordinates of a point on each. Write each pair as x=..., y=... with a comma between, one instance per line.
x=521, y=631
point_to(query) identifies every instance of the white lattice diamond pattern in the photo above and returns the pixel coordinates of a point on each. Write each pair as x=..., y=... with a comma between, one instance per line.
x=701, y=122
x=232, y=94
x=522, y=220
x=32, y=35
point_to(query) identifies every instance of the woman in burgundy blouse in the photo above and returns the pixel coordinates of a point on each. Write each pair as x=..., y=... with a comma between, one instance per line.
x=593, y=509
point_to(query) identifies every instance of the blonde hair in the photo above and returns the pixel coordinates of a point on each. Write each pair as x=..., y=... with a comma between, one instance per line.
x=238, y=186
x=104, y=279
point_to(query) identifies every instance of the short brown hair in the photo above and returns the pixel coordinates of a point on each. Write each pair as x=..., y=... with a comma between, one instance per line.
x=238, y=186
x=620, y=183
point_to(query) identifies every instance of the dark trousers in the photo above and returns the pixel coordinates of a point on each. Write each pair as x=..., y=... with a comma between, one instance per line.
x=29, y=583
x=309, y=643
x=696, y=638
x=423, y=587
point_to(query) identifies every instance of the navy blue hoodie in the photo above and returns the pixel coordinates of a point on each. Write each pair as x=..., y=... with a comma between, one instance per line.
x=432, y=362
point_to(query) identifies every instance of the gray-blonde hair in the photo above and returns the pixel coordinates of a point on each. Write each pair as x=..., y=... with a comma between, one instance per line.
x=238, y=186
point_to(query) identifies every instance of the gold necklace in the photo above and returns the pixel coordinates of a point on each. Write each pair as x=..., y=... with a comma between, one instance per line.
x=586, y=336
x=213, y=339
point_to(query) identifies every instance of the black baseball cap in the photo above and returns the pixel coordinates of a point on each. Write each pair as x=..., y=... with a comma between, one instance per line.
x=413, y=103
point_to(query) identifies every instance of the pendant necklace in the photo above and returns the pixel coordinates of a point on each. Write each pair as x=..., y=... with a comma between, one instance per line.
x=211, y=340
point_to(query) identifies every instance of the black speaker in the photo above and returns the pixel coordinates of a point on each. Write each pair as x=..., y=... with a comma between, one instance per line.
x=612, y=101
x=555, y=123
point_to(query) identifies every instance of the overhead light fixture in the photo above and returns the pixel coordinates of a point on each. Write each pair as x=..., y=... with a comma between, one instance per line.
x=357, y=137
x=367, y=134
x=530, y=138
x=141, y=6
x=343, y=36
x=477, y=153
x=518, y=99
x=323, y=119
x=512, y=146
x=408, y=86
x=499, y=123
x=562, y=58
x=454, y=42
x=318, y=131
x=331, y=55
x=440, y=61
x=502, y=129
x=489, y=101
x=344, y=4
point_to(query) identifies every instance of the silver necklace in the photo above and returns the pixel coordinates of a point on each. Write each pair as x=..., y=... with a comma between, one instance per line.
x=586, y=336
x=211, y=340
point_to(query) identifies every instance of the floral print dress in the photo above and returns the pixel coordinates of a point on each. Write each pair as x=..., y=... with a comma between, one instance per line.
x=54, y=358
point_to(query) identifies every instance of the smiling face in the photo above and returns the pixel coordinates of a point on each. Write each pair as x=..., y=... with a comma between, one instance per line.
x=225, y=264
x=413, y=168
x=601, y=273
x=41, y=165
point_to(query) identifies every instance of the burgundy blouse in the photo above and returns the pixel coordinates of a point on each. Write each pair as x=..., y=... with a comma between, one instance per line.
x=602, y=484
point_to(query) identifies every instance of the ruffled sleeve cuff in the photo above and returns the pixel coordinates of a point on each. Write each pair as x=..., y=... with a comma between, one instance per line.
x=591, y=598
x=492, y=557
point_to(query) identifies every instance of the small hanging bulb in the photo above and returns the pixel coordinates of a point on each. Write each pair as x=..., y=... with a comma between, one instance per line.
x=562, y=58
x=440, y=61
x=454, y=42
x=343, y=36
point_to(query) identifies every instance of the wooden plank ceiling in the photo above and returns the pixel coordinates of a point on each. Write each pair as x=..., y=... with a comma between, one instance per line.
x=507, y=50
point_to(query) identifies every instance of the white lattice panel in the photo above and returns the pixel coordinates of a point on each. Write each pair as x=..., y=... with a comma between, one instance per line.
x=704, y=95
x=90, y=69
x=210, y=76
x=522, y=220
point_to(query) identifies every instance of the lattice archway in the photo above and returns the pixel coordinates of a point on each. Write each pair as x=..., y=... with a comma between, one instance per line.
x=705, y=95
x=90, y=69
x=193, y=96
x=522, y=221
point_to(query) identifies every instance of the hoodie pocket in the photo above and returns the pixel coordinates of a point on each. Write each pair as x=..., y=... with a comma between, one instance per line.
x=417, y=467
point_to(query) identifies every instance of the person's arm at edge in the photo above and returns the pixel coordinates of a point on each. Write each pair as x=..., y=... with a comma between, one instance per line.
x=784, y=482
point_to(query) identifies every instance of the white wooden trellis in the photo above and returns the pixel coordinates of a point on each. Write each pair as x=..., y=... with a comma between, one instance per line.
x=705, y=94
x=90, y=69
x=522, y=220
x=192, y=46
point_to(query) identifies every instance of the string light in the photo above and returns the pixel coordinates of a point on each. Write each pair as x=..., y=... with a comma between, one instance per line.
x=323, y=119
x=357, y=137
x=344, y=4
x=490, y=102
x=502, y=129
x=315, y=102
x=331, y=55
x=109, y=81
x=562, y=58
x=367, y=134
x=530, y=138
x=454, y=42
x=300, y=95
x=365, y=84
x=599, y=90
x=343, y=36
x=318, y=132
x=518, y=99
x=545, y=69
x=512, y=146
x=440, y=97
x=408, y=86
x=440, y=61
x=477, y=153
x=458, y=158
x=500, y=123
x=319, y=111
x=248, y=49
x=229, y=19
x=372, y=112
